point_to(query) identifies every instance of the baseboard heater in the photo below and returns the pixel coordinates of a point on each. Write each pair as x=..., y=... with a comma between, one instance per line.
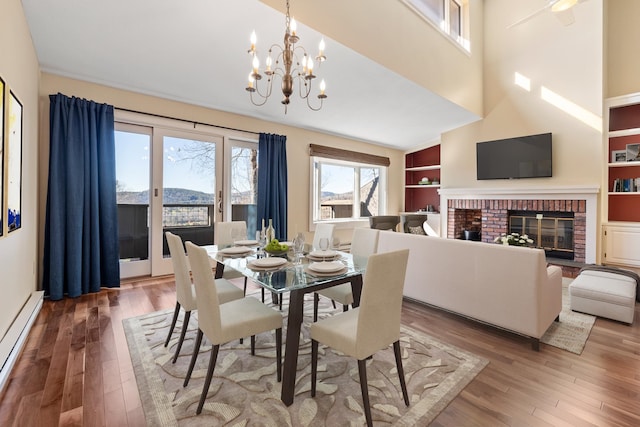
x=15, y=338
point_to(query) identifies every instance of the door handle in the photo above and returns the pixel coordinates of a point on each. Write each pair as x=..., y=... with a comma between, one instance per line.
x=220, y=201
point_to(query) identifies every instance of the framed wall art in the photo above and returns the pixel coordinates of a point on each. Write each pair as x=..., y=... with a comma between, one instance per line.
x=618, y=156
x=14, y=164
x=1, y=155
x=633, y=152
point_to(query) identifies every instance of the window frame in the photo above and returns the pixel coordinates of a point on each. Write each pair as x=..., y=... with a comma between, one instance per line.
x=315, y=193
x=462, y=39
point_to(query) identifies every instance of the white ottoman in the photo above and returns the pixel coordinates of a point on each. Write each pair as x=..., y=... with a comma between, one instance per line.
x=604, y=294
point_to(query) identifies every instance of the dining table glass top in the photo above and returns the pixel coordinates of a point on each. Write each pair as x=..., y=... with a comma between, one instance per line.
x=289, y=275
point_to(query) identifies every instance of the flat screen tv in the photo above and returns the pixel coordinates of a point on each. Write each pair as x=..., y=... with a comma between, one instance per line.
x=515, y=158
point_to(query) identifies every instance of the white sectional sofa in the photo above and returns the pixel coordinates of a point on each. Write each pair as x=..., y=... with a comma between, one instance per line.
x=506, y=286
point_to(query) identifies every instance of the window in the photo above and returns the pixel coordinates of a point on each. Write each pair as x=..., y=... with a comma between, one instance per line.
x=448, y=15
x=346, y=191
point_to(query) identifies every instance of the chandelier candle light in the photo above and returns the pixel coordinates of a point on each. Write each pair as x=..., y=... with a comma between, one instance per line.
x=288, y=66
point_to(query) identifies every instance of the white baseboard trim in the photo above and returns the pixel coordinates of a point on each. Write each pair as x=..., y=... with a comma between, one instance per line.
x=15, y=338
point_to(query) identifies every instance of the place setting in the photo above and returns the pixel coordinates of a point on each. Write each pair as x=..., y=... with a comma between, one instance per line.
x=267, y=264
x=326, y=268
x=236, y=251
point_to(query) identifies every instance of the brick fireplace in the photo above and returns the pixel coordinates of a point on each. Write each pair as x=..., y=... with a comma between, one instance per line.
x=491, y=217
x=487, y=211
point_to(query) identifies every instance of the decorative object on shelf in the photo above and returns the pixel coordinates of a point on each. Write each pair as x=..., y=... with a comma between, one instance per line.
x=288, y=66
x=633, y=153
x=424, y=181
x=513, y=239
x=435, y=181
x=618, y=156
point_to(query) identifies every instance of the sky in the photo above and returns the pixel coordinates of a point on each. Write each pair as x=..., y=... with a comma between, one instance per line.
x=132, y=164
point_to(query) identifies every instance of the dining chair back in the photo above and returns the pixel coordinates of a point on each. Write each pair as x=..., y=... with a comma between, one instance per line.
x=223, y=323
x=226, y=232
x=363, y=244
x=372, y=326
x=185, y=291
x=322, y=230
x=384, y=222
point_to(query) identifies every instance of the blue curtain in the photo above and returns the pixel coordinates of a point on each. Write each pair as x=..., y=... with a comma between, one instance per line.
x=272, y=182
x=81, y=226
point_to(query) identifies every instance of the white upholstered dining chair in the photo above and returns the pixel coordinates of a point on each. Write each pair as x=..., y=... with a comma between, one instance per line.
x=225, y=234
x=372, y=326
x=222, y=323
x=185, y=291
x=364, y=243
x=322, y=230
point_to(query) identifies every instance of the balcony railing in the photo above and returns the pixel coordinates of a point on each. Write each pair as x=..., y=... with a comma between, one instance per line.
x=192, y=222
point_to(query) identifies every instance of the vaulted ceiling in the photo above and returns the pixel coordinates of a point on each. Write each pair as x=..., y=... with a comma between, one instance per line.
x=196, y=52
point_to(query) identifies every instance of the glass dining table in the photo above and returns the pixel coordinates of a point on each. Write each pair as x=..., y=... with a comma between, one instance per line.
x=297, y=279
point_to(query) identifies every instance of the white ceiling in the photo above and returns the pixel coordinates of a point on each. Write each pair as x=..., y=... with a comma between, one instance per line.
x=195, y=51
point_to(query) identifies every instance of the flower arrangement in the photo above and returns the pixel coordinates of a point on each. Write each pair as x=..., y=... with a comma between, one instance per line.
x=514, y=239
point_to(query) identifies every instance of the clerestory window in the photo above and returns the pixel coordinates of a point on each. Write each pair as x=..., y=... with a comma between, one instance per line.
x=449, y=16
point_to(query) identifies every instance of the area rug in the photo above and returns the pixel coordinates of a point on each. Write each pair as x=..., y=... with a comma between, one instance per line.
x=244, y=390
x=573, y=329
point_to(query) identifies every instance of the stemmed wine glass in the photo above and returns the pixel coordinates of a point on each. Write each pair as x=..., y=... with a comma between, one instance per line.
x=323, y=243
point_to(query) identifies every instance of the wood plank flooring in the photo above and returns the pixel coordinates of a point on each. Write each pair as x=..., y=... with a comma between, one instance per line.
x=75, y=369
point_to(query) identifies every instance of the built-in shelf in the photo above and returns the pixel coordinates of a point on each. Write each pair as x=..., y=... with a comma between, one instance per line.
x=624, y=193
x=623, y=164
x=421, y=164
x=624, y=132
x=423, y=168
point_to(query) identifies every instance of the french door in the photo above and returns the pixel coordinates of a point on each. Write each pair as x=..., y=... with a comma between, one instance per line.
x=167, y=180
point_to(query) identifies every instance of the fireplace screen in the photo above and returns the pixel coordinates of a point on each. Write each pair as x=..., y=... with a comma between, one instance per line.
x=549, y=231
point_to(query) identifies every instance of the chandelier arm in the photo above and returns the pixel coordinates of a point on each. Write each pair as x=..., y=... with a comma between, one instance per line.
x=312, y=107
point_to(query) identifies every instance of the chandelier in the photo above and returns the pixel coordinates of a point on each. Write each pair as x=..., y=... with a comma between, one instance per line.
x=292, y=64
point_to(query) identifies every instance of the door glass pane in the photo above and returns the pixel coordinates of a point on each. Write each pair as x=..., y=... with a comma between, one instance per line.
x=244, y=187
x=336, y=187
x=369, y=191
x=189, y=182
x=132, y=194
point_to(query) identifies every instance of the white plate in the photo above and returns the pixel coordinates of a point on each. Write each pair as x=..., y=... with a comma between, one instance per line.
x=326, y=267
x=246, y=242
x=235, y=250
x=323, y=254
x=269, y=262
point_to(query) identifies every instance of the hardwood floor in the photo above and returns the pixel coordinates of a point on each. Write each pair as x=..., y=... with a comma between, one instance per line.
x=75, y=369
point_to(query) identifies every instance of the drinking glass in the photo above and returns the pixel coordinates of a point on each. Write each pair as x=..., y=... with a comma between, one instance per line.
x=335, y=243
x=323, y=243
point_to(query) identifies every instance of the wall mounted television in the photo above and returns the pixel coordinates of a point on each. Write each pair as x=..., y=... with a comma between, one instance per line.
x=514, y=158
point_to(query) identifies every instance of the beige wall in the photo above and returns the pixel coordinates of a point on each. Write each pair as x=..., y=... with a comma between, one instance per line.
x=566, y=60
x=19, y=70
x=623, y=38
x=298, y=141
x=394, y=36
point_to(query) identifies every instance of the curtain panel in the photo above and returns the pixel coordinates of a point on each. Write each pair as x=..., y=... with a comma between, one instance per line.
x=81, y=252
x=272, y=182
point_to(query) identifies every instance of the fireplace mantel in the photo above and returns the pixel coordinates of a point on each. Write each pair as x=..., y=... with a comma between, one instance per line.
x=582, y=192
x=518, y=192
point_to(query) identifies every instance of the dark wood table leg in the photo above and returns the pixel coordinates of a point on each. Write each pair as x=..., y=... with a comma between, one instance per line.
x=356, y=289
x=294, y=323
x=219, y=270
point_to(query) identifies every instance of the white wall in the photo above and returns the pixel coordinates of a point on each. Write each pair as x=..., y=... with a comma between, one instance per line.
x=19, y=70
x=567, y=60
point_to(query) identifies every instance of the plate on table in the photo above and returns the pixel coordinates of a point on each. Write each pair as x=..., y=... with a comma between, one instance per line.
x=326, y=267
x=271, y=262
x=246, y=242
x=235, y=250
x=322, y=254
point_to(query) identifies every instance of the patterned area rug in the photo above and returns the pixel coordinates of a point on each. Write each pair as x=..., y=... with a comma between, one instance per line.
x=244, y=390
x=572, y=331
